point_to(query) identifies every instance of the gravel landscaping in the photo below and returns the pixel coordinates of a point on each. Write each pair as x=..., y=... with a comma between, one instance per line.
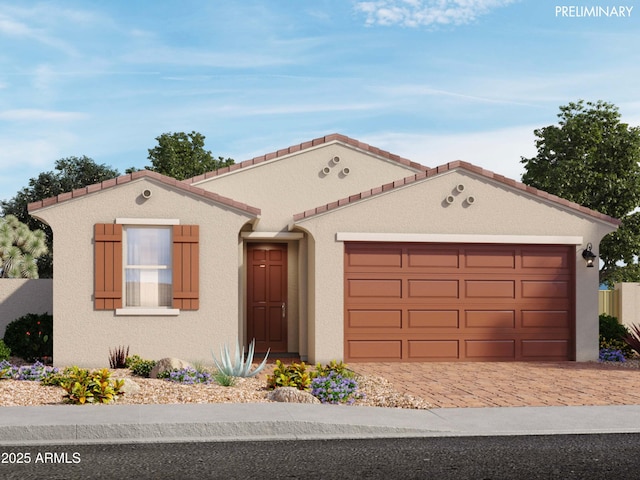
x=377, y=392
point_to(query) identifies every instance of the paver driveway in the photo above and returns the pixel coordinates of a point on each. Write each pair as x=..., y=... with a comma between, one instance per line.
x=511, y=384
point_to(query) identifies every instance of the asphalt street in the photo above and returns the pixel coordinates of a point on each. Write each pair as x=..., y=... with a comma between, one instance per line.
x=532, y=457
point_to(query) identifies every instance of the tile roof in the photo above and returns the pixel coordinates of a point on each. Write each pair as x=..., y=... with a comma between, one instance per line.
x=306, y=145
x=172, y=182
x=430, y=172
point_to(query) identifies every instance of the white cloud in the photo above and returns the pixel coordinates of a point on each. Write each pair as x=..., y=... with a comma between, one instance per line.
x=415, y=13
x=32, y=114
x=13, y=28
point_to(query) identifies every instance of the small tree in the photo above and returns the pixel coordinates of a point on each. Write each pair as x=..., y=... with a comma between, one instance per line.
x=593, y=158
x=19, y=249
x=182, y=155
x=71, y=173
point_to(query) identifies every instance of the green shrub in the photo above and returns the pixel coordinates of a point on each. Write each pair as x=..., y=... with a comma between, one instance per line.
x=613, y=334
x=6, y=370
x=611, y=328
x=294, y=375
x=5, y=352
x=84, y=386
x=56, y=379
x=339, y=368
x=139, y=366
x=224, y=380
x=30, y=337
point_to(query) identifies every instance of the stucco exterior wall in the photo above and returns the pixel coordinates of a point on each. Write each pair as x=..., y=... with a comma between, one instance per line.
x=19, y=296
x=294, y=183
x=83, y=335
x=422, y=208
x=629, y=303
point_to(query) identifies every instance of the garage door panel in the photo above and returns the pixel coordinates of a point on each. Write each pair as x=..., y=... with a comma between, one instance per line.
x=546, y=319
x=545, y=349
x=490, y=319
x=433, y=349
x=375, y=257
x=490, y=349
x=433, y=319
x=430, y=259
x=433, y=288
x=490, y=289
x=374, y=349
x=548, y=259
x=375, y=288
x=487, y=259
x=545, y=289
x=375, y=319
x=461, y=303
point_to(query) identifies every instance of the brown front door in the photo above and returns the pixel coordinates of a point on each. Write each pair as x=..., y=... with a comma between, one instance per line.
x=267, y=296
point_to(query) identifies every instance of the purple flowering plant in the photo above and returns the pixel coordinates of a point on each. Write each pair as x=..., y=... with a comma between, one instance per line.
x=335, y=388
x=189, y=375
x=36, y=372
x=611, y=355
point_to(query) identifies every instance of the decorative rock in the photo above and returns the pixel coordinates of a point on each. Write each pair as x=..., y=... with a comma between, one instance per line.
x=165, y=364
x=291, y=395
x=130, y=387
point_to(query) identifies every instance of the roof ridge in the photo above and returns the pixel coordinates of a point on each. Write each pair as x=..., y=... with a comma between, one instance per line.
x=304, y=146
x=129, y=177
x=431, y=172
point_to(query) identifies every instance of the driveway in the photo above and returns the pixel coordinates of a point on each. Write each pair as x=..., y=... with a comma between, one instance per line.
x=511, y=384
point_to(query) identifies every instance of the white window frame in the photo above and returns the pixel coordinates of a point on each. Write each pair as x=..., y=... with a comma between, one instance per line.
x=133, y=223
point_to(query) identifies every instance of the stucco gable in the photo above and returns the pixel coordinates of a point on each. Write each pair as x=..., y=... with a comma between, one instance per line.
x=142, y=174
x=335, y=137
x=448, y=167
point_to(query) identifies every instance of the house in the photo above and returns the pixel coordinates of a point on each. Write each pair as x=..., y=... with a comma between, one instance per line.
x=332, y=249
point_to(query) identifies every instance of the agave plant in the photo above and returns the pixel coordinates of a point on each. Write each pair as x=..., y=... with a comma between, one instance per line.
x=239, y=367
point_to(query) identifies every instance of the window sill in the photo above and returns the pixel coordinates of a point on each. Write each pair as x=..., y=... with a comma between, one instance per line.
x=159, y=312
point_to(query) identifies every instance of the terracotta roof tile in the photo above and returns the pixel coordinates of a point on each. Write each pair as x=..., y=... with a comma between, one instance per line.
x=172, y=182
x=304, y=146
x=446, y=168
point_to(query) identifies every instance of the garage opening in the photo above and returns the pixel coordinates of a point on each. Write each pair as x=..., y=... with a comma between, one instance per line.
x=458, y=302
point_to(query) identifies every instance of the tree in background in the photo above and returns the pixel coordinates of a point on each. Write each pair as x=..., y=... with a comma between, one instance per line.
x=20, y=248
x=71, y=173
x=592, y=158
x=182, y=155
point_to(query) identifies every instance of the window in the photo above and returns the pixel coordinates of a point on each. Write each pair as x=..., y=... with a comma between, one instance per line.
x=146, y=267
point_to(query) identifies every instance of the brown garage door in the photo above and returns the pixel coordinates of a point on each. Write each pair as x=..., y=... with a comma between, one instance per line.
x=435, y=302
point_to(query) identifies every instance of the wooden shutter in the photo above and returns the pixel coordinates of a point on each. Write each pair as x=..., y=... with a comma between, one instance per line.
x=108, y=266
x=186, y=272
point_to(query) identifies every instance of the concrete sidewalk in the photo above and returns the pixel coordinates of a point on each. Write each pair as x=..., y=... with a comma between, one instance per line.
x=68, y=424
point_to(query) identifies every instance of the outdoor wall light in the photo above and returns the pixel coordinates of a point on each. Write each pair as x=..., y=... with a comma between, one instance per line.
x=589, y=256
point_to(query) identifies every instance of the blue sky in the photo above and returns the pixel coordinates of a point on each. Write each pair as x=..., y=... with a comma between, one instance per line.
x=431, y=80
